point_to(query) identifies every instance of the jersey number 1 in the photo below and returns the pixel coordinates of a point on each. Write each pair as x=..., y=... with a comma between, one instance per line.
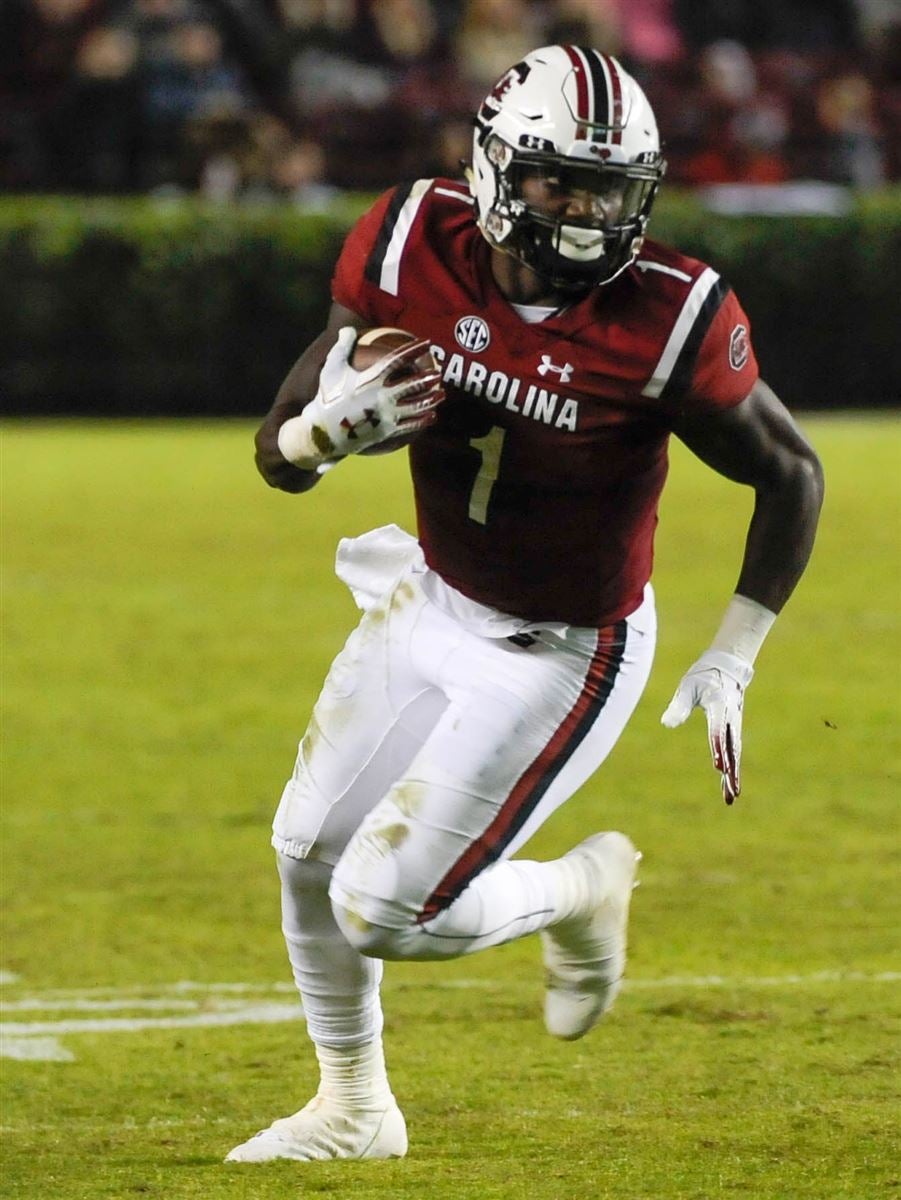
x=489, y=447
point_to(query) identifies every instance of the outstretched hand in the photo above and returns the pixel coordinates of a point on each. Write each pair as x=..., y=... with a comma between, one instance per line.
x=716, y=683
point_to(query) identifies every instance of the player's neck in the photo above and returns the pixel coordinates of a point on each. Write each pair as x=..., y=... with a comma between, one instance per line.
x=520, y=285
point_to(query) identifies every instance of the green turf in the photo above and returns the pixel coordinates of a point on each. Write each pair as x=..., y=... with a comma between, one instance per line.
x=167, y=620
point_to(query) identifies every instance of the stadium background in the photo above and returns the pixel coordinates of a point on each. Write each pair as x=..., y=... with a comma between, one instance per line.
x=177, y=175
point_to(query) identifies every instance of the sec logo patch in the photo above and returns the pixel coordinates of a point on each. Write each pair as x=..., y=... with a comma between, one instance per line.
x=739, y=347
x=472, y=334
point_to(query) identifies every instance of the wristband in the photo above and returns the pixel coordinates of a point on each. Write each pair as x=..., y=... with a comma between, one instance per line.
x=295, y=442
x=744, y=626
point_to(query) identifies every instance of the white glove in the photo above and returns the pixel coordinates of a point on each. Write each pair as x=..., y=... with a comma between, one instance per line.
x=353, y=410
x=716, y=683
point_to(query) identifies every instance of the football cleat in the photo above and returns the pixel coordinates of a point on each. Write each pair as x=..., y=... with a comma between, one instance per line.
x=585, y=955
x=324, y=1130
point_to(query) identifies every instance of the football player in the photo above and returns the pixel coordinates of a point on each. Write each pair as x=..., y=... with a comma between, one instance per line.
x=500, y=654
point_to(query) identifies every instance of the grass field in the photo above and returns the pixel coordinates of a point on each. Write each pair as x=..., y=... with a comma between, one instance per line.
x=166, y=624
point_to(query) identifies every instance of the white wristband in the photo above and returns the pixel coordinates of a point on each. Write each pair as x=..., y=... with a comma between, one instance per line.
x=744, y=626
x=295, y=442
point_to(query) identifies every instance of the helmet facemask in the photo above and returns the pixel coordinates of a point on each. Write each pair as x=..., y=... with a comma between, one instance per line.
x=575, y=223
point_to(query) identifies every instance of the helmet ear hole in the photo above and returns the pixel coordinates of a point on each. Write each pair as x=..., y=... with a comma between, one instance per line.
x=498, y=153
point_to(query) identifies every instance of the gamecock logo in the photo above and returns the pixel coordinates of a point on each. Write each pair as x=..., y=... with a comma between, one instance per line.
x=492, y=103
x=739, y=347
x=517, y=74
x=472, y=334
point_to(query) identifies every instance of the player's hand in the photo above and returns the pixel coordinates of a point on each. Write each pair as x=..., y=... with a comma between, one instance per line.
x=716, y=683
x=354, y=410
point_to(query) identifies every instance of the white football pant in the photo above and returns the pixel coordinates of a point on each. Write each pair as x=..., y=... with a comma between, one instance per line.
x=433, y=753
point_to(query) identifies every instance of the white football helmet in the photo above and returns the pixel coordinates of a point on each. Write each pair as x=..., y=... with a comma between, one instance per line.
x=566, y=121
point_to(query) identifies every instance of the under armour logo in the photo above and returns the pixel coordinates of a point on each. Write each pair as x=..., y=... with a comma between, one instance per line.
x=370, y=418
x=531, y=141
x=546, y=367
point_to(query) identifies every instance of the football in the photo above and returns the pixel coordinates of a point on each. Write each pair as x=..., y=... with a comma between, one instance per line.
x=375, y=344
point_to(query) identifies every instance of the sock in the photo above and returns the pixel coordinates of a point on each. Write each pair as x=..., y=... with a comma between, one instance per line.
x=339, y=989
x=519, y=897
x=354, y=1076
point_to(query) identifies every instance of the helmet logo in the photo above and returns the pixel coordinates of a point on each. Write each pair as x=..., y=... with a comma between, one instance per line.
x=739, y=347
x=546, y=367
x=472, y=334
x=491, y=105
x=517, y=74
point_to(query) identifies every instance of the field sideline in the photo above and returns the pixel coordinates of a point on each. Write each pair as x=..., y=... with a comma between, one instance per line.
x=167, y=620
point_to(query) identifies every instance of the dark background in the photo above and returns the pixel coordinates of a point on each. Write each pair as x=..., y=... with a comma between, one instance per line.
x=177, y=175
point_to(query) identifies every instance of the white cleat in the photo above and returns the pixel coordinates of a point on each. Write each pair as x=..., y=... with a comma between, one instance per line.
x=585, y=956
x=324, y=1130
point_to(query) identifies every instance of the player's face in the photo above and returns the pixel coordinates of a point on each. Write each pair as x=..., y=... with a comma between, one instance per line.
x=574, y=194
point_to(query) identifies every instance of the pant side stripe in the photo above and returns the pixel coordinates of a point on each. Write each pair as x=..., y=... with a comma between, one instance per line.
x=532, y=785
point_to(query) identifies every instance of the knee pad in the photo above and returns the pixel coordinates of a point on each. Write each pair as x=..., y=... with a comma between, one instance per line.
x=372, y=914
x=370, y=939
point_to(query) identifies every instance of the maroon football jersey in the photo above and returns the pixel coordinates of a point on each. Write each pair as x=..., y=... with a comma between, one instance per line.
x=537, y=487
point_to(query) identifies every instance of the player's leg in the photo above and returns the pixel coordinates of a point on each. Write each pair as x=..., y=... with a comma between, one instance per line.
x=353, y=1113
x=364, y=730
x=421, y=878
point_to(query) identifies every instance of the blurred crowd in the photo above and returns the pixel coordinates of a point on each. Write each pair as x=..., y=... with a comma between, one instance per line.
x=246, y=99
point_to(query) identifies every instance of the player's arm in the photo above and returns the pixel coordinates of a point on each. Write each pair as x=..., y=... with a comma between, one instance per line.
x=756, y=443
x=297, y=391
x=327, y=408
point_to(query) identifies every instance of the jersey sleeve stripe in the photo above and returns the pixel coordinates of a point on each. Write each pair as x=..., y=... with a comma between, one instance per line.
x=373, y=268
x=645, y=264
x=693, y=310
x=680, y=379
x=383, y=265
x=440, y=191
x=532, y=785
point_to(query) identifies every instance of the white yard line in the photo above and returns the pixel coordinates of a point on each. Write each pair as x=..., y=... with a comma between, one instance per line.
x=37, y=1041
x=35, y=1049
x=251, y=1014
x=166, y=989
x=791, y=980
x=226, y=1004
x=162, y=996
x=82, y=1004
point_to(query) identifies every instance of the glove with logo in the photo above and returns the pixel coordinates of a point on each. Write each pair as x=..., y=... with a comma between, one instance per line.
x=355, y=410
x=716, y=683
